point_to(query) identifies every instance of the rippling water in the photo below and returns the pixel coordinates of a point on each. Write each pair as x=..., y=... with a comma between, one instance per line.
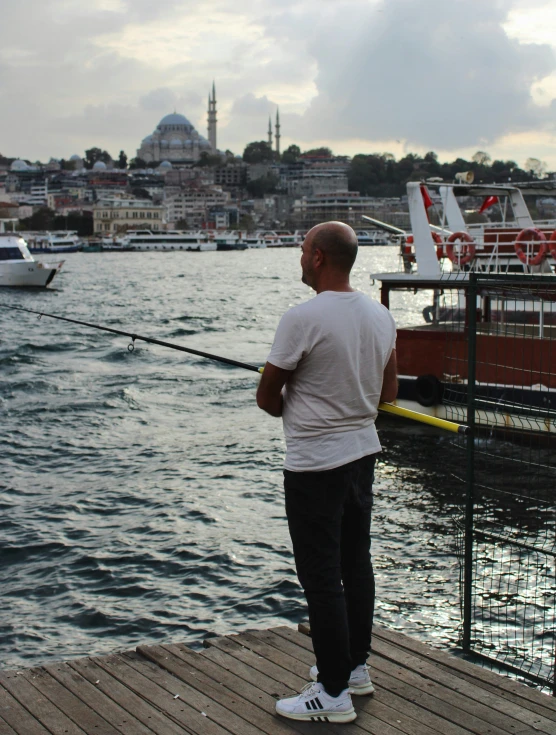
x=140, y=492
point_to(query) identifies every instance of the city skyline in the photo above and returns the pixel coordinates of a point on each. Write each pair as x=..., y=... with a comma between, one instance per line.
x=359, y=76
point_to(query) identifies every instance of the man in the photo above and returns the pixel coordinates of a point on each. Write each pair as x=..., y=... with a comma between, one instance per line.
x=332, y=362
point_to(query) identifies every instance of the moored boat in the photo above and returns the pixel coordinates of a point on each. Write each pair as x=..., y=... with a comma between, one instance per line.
x=19, y=269
x=514, y=378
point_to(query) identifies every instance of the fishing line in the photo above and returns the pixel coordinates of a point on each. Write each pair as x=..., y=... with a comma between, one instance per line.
x=387, y=407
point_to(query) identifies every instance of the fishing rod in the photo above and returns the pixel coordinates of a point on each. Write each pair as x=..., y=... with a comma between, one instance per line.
x=134, y=337
x=386, y=407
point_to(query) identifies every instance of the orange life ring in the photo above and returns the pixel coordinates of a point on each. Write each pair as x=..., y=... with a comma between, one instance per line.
x=531, y=234
x=467, y=250
x=437, y=239
x=552, y=244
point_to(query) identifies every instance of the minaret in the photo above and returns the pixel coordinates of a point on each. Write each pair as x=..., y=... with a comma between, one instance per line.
x=270, y=132
x=277, y=135
x=212, y=119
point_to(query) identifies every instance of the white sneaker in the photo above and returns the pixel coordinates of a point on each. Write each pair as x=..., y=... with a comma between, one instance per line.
x=359, y=681
x=315, y=705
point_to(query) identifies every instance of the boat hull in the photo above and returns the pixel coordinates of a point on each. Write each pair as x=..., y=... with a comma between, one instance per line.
x=27, y=274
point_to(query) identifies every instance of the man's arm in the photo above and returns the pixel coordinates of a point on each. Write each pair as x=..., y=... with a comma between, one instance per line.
x=390, y=380
x=269, y=392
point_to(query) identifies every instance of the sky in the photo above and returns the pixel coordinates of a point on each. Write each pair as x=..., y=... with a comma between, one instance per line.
x=358, y=76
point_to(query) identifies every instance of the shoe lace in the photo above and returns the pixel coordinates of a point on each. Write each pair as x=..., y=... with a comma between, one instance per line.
x=311, y=688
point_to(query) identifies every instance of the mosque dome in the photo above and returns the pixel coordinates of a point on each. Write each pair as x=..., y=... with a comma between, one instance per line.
x=175, y=140
x=99, y=166
x=19, y=165
x=174, y=119
x=166, y=165
x=75, y=157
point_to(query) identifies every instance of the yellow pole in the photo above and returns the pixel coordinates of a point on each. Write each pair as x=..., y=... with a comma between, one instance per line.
x=423, y=418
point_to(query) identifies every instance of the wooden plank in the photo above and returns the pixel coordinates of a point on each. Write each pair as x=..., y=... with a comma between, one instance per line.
x=473, y=692
x=253, y=705
x=225, y=654
x=255, y=661
x=443, y=701
x=516, y=690
x=369, y=724
x=42, y=709
x=399, y=707
x=255, y=644
x=204, y=701
x=16, y=716
x=261, y=681
x=90, y=694
x=125, y=698
x=89, y=720
x=5, y=729
x=141, y=680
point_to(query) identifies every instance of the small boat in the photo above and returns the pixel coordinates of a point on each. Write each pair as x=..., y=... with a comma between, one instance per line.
x=19, y=269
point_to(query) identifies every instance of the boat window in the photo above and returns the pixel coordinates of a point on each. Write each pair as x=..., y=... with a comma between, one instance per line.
x=11, y=254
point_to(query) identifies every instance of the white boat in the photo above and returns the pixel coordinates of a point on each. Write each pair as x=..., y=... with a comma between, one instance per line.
x=278, y=239
x=18, y=268
x=372, y=237
x=57, y=241
x=169, y=240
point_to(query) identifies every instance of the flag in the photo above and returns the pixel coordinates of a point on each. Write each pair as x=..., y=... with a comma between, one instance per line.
x=488, y=202
x=426, y=197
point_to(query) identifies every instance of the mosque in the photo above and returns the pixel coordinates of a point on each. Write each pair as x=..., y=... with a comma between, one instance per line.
x=175, y=139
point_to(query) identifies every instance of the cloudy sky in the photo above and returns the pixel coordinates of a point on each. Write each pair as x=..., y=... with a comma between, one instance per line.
x=360, y=76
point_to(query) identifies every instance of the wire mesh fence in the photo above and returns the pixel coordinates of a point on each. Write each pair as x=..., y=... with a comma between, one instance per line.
x=500, y=377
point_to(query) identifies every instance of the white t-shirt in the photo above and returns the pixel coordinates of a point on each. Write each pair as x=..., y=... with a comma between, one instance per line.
x=337, y=344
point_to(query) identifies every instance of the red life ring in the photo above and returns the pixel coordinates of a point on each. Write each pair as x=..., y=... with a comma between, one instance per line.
x=467, y=249
x=531, y=234
x=552, y=244
x=437, y=239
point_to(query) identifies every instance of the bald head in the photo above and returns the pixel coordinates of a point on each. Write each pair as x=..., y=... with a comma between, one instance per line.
x=338, y=243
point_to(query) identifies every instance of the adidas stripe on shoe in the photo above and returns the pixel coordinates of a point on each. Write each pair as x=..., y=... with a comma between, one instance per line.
x=359, y=682
x=315, y=705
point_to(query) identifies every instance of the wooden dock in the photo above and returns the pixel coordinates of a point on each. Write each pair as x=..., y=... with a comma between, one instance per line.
x=232, y=685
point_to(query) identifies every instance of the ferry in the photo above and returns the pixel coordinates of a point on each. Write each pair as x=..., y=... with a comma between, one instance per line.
x=516, y=381
x=168, y=240
x=57, y=241
x=19, y=269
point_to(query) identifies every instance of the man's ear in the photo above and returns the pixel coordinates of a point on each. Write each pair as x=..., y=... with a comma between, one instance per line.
x=319, y=256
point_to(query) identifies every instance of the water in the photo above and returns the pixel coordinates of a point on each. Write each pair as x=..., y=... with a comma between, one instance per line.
x=140, y=492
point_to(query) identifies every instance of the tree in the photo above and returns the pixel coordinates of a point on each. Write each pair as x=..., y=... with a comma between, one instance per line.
x=291, y=154
x=481, y=158
x=258, y=188
x=182, y=224
x=41, y=220
x=258, y=152
x=122, y=160
x=81, y=222
x=209, y=159
x=96, y=154
x=141, y=193
x=137, y=163
x=319, y=153
x=535, y=167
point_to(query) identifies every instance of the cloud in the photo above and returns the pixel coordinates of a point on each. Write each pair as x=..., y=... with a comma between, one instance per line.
x=368, y=73
x=431, y=74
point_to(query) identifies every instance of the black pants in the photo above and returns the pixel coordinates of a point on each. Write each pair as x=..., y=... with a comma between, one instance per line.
x=329, y=517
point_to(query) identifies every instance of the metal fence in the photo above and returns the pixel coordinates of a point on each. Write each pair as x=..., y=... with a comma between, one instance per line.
x=504, y=386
